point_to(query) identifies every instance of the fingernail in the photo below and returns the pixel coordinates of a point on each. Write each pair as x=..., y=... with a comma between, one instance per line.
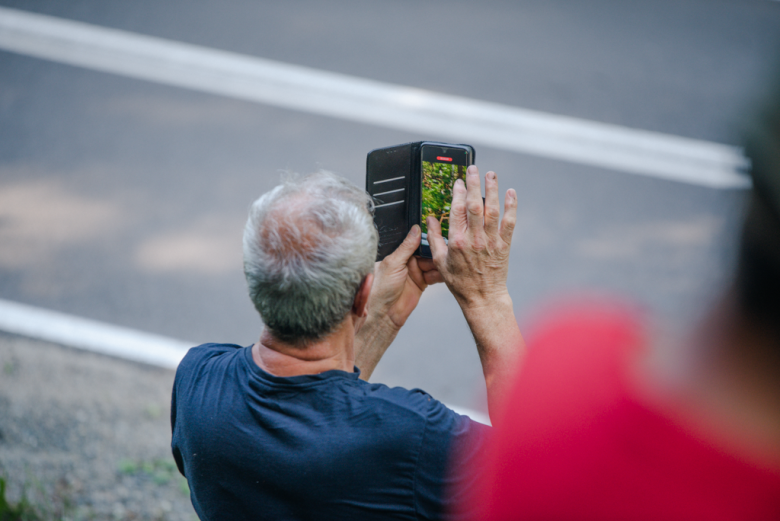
x=415, y=230
x=472, y=170
x=460, y=181
x=512, y=193
x=491, y=175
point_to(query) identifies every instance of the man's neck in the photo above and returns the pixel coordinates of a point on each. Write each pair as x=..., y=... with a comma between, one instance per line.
x=282, y=359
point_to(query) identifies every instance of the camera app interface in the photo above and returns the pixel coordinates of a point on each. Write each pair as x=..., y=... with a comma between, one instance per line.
x=441, y=167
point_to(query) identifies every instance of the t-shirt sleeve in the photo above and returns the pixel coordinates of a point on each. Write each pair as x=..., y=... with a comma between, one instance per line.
x=183, y=372
x=450, y=458
x=185, y=386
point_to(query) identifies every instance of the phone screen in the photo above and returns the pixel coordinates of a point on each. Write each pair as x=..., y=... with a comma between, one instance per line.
x=441, y=167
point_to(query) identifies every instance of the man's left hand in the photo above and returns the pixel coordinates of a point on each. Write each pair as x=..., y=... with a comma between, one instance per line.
x=399, y=281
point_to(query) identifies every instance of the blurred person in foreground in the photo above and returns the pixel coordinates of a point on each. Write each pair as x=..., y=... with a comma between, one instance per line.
x=600, y=424
x=289, y=428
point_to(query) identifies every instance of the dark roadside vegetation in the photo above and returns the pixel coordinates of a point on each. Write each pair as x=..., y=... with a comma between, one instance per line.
x=85, y=437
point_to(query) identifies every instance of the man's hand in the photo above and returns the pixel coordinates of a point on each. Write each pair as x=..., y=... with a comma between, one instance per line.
x=399, y=281
x=474, y=266
x=476, y=263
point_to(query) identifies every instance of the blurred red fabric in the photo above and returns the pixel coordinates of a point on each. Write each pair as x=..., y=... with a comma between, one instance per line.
x=576, y=441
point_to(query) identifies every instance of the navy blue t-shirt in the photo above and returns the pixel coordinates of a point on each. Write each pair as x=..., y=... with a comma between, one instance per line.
x=329, y=446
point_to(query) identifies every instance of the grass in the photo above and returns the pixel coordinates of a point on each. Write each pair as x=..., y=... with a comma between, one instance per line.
x=161, y=471
x=36, y=503
x=18, y=512
x=41, y=509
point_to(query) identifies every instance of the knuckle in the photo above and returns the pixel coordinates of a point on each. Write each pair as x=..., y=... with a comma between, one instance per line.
x=475, y=208
x=458, y=243
x=501, y=248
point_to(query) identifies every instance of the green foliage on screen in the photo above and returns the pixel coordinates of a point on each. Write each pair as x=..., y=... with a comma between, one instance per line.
x=437, y=182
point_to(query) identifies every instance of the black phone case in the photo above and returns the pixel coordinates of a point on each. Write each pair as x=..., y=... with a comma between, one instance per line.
x=393, y=180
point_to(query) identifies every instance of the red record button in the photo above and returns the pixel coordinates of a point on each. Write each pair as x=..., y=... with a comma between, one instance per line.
x=442, y=158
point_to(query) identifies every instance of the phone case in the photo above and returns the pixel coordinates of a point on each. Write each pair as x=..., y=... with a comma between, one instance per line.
x=393, y=180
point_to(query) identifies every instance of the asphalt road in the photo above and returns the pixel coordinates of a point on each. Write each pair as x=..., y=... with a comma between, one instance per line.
x=124, y=201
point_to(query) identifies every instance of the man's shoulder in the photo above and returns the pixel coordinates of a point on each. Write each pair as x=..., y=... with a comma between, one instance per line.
x=211, y=349
x=199, y=356
x=396, y=394
x=412, y=402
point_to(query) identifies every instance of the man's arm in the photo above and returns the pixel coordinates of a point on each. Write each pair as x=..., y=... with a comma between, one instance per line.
x=474, y=266
x=399, y=281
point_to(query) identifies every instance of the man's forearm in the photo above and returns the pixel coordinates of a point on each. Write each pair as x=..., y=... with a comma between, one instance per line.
x=499, y=343
x=371, y=341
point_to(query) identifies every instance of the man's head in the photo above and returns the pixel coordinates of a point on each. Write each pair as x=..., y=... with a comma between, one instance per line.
x=308, y=245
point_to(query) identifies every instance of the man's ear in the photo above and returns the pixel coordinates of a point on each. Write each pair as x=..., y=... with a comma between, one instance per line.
x=360, y=304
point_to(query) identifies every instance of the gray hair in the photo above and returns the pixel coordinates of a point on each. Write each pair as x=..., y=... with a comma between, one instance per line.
x=308, y=245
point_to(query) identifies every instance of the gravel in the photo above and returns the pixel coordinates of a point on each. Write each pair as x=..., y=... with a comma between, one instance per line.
x=84, y=436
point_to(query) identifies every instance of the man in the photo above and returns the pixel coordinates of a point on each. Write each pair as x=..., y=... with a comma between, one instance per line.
x=289, y=428
x=608, y=424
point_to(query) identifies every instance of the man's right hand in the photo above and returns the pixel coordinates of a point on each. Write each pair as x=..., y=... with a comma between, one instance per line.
x=474, y=266
x=476, y=263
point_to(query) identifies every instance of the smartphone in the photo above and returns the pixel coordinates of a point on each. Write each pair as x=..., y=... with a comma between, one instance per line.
x=408, y=183
x=440, y=166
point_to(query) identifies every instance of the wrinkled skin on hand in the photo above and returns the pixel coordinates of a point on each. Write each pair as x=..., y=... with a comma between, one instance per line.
x=399, y=281
x=475, y=263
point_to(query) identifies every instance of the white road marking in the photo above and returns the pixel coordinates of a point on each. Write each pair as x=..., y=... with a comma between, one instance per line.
x=367, y=101
x=474, y=415
x=111, y=340
x=91, y=335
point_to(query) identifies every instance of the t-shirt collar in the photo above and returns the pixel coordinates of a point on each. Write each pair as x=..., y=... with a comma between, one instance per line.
x=297, y=380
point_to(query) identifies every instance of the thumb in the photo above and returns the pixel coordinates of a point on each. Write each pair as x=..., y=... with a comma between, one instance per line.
x=406, y=249
x=436, y=241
